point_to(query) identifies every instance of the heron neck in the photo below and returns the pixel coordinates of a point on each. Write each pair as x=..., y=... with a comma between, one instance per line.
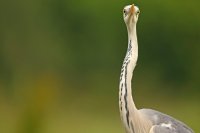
x=132, y=55
x=127, y=106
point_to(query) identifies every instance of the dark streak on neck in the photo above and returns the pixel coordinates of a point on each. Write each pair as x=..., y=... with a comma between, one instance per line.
x=125, y=95
x=124, y=73
x=129, y=47
x=129, y=52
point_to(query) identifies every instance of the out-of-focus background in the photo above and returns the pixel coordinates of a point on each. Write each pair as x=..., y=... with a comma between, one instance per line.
x=60, y=63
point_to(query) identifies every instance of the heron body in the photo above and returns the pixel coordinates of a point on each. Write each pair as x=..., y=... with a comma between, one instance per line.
x=143, y=120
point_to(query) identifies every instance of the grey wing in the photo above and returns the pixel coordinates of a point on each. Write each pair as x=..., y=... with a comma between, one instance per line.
x=163, y=123
x=162, y=129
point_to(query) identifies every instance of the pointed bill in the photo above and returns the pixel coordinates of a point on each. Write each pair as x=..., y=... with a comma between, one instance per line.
x=132, y=10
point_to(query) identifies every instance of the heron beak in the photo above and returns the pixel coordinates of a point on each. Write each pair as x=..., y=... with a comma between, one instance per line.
x=132, y=9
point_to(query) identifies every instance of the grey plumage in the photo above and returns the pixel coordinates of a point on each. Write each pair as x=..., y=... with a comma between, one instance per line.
x=159, y=120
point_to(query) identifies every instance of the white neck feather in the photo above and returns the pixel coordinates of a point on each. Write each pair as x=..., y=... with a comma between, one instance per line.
x=129, y=113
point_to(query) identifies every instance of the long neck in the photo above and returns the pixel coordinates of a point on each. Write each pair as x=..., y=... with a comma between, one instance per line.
x=133, y=120
x=127, y=106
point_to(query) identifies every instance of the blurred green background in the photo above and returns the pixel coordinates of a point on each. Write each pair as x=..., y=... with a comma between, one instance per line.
x=60, y=63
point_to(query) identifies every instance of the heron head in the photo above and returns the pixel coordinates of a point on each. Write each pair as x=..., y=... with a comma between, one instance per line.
x=131, y=14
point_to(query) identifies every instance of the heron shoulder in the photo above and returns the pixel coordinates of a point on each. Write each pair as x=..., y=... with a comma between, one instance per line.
x=165, y=123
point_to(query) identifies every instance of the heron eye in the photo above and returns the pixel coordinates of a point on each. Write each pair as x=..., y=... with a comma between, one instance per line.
x=125, y=13
x=138, y=12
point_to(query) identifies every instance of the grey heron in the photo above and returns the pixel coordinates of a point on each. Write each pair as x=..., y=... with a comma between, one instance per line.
x=140, y=120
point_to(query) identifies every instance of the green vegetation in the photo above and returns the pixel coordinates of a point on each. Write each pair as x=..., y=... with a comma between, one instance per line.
x=60, y=63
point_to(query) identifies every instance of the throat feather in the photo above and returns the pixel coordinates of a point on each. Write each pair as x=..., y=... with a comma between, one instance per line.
x=124, y=105
x=126, y=95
